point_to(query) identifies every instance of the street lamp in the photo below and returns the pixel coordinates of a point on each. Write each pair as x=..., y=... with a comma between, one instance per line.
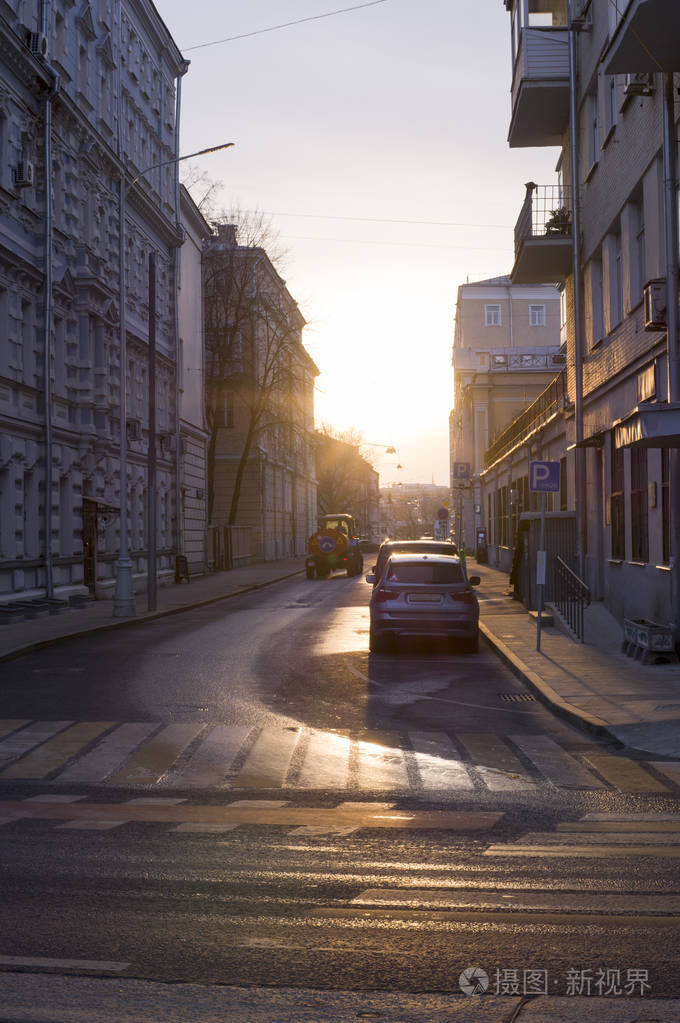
x=124, y=596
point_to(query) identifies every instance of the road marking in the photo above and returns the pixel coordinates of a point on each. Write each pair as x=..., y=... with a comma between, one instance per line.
x=439, y=763
x=90, y=825
x=54, y=753
x=625, y=775
x=592, y=851
x=267, y=763
x=9, y=725
x=46, y=797
x=205, y=829
x=91, y=965
x=354, y=815
x=563, y=902
x=211, y=762
x=627, y=826
x=109, y=754
x=381, y=762
x=671, y=770
x=554, y=763
x=497, y=765
x=21, y=742
x=155, y=801
x=159, y=754
x=326, y=763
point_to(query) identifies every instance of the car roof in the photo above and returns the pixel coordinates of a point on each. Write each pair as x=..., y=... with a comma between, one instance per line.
x=424, y=543
x=399, y=558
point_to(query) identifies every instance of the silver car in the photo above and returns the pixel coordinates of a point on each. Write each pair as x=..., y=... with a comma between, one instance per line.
x=423, y=595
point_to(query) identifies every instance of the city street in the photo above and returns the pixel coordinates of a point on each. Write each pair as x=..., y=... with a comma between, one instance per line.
x=240, y=795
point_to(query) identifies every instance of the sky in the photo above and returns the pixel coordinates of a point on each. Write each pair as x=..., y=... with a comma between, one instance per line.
x=354, y=130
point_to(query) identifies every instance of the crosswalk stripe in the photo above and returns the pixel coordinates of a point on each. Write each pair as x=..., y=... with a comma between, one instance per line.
x=210, y=764
x=601, y=851
x=381, y=762
x=109, y=754
x=28, y=738
x=554, y=763
x=267, y=763
x=10, y=725
x=157, y=755
x=439, y=763
x=326, y=763
x=495, y=762
x=625, y=775
x=518, y=899
x=57, y=751
x=670, y=770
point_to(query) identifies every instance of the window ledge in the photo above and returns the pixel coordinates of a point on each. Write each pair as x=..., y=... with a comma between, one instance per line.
x=609, y=134
x=614, y=561
x=591, y=171
x=663, y=568
x=638, y=564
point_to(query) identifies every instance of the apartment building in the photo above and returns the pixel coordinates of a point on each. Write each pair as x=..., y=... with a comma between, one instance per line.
x=260, y=401
x=88, y=103
x=506, y=351
x=605, y=215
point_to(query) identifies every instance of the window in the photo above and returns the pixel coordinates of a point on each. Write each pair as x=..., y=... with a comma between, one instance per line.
x=665, y=516
x=638, y=505
x=610, y=108
x=618, y=508
x=537, y=316
x=492, y=316
x=593, y=129
x=422, y=572
x=597, y=301
x=616, y=282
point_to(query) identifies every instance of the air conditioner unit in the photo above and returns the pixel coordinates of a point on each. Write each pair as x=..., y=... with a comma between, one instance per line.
x=639, y=84
x=24, y=174
x=655, y=304
x=37, y=43
x=134, y=429
x=558, y=359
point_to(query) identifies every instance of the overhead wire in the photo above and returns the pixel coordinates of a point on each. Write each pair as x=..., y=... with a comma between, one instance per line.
x=285, y=24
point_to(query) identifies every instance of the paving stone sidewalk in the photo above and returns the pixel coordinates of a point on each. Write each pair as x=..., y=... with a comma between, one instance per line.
x=593, y=684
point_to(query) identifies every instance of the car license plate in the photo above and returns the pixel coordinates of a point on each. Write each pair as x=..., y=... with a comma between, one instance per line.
x=424, y=598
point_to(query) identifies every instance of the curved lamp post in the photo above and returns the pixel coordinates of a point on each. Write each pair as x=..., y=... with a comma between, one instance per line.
x=124, y=596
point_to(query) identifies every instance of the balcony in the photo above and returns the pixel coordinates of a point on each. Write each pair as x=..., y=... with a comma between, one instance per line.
x=646, y=38
x=551, y=403
x=543, y=236
x=540, y=88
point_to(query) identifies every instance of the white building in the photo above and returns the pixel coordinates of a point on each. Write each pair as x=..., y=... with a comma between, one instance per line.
x=88, y=104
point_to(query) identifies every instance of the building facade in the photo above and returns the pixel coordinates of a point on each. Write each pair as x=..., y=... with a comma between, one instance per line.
x=607, y=215
x=88, y=103
x=506, y=350
x=193, y=432
x=261, y=456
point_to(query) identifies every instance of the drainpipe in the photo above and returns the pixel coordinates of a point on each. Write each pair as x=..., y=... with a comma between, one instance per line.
x=179, y=465
x=671, y=215
x=49, y=217
x=580, y=463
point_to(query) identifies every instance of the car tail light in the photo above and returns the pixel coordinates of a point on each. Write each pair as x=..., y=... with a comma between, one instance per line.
x=465, y=597
x=381, y=594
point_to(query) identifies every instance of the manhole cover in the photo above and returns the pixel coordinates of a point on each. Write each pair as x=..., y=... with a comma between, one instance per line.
x=517, y=698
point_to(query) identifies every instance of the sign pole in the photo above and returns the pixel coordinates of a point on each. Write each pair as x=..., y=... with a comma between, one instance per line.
x=540, y=573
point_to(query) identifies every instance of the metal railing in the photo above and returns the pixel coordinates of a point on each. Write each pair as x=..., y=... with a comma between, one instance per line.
x=545, y=213
x=572, y=597
x=549, y=403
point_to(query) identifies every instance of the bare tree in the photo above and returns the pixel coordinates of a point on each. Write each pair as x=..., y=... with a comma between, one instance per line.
x=339, y=469
x=254, y=351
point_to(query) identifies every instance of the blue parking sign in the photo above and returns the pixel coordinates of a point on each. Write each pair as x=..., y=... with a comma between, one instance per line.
x=544, y=477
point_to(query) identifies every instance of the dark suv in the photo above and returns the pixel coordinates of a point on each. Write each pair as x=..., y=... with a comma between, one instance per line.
x=388, y=547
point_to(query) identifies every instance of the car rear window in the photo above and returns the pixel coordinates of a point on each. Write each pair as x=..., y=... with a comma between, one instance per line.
x=424, y=572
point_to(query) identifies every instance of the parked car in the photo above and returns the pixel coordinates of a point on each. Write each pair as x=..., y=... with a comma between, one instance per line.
x=422, y=546
x=368, y=546
x=424, y=595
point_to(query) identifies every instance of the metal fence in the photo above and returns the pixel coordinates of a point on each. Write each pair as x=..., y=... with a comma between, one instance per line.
x=548, y=403
x=545, y=213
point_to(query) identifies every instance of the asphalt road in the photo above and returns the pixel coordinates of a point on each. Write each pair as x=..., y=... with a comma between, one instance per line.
x=242, y=796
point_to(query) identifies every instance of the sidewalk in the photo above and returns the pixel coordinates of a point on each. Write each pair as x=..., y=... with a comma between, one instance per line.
x=592, y=684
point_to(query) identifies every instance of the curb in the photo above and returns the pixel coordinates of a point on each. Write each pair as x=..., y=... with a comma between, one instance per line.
x=546, y=694
x=148, y=616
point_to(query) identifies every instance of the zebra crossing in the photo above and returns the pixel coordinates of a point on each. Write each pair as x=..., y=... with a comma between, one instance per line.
x=198, y=755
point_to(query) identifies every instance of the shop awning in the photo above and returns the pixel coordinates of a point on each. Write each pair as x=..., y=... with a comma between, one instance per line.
x=649, y=426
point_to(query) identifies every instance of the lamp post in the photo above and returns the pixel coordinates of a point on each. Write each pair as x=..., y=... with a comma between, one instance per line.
x=124, y=596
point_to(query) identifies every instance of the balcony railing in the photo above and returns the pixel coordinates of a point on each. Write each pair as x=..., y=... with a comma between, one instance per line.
x=548, y=404
x=545, y=213
x=543, y=236
x=502, y=362
x=540, y=87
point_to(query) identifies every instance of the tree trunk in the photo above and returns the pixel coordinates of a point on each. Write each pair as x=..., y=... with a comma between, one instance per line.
x=240, y=473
